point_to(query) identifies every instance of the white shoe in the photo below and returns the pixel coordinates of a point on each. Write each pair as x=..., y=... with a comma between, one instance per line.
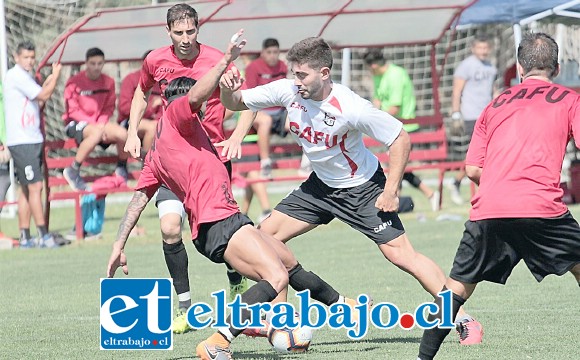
x=455, y=195
x=434, y=200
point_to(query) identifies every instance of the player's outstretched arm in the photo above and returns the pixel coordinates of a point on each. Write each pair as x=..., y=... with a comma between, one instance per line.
x=232, y=147
x=399, y=150
x=134, y=210
x=205, y=86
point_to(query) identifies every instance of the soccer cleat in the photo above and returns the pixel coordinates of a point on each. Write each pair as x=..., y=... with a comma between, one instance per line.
x=352, y=303
x=208, y=351
x=470, y=332
x=455, y=195
x=47, y=241
x=434, y=200
x=179, y=325
x=258, y=332
x=236, y=289
x=27, y=243
x=266, y=168
x=74, y=179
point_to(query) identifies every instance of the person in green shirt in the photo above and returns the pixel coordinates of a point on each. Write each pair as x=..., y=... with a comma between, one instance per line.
x=394, y=94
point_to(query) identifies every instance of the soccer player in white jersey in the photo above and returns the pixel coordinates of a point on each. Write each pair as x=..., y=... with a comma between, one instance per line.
x=328, y=120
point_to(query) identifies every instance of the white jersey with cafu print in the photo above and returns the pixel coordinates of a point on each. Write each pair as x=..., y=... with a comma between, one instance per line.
x=330, y=131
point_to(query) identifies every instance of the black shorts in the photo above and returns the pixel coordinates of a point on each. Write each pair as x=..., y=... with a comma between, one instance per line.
x=27, y=162
x=316, y=203
x=74, y=129
x=165, y=194
x=212, y=238
x=490, y=249
x=279, y=122
x=125, y=124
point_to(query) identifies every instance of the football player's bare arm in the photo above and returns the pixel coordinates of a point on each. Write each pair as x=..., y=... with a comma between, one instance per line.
x=132, y=214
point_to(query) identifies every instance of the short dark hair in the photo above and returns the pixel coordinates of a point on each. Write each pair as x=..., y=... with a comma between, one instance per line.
x=270, y=42
x=181, y=12
x=25, y=45
x=146, y=53
x=94, y=52
x=178, y=87
x=313, y=51
x=481, y=38
x=374, y=56
x=538, y=54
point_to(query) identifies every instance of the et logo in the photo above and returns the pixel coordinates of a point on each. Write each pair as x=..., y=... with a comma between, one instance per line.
x=136, y=314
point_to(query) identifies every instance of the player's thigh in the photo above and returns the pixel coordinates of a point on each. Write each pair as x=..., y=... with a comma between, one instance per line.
x=284, y=227
x=300, y=211
x=113, y=132
x=255, y=257
x=549, y=245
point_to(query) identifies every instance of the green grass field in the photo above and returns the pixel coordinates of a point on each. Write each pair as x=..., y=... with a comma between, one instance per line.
x=49, y=299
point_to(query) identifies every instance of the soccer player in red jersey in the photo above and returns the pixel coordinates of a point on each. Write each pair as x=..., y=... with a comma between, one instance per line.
x=184, y=57
x=515, y=157
x=183, y=158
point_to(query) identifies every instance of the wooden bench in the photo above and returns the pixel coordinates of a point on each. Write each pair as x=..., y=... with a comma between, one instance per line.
x=57, y=156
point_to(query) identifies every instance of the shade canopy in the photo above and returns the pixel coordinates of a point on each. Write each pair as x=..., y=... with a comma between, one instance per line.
x=516, y=11
x=126, y=33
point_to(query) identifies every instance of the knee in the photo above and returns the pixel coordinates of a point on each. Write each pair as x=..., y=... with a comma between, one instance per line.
x=171, y=228
x=279, y=278
x=402, y=257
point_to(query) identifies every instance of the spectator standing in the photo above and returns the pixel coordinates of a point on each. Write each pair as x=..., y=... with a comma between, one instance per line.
x=472, y=90
x=24, y=138
x=394, y=94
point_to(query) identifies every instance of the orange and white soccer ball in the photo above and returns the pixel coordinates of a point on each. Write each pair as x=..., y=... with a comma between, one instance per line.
x=286, y=341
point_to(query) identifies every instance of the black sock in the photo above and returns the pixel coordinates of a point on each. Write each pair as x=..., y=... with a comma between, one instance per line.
x=122, y=163
x=25, y=234
x=42, y=230
x=177, y=263
x=233, y=276
x=261, y=292
x=320, y=290
x=433, y=338
x=76, y=165
x=457, y=183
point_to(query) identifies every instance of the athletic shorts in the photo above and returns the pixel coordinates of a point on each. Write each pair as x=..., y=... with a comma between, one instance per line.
x=74, y=129
x=213, y=237
x=316, y=203
x=27, y=162
x=279, y=122
x=491, y=248
x=165, y=194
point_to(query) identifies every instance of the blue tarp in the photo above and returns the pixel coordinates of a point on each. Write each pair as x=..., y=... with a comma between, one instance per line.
x=507, y=11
